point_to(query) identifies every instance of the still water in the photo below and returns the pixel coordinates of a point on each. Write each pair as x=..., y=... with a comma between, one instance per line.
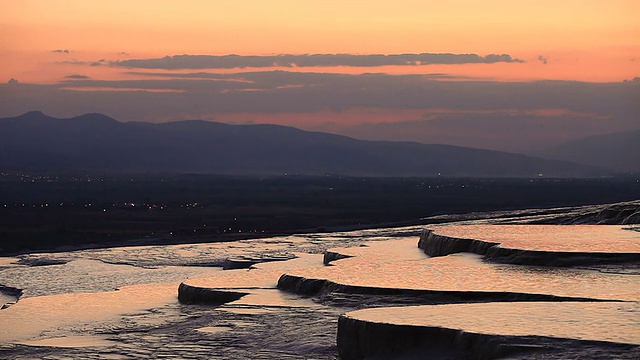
x=400, y=264
x=122, y=302
x=602, y=321
x=574, y=238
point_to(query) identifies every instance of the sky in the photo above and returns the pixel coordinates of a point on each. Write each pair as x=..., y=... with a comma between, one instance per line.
x=403, y=70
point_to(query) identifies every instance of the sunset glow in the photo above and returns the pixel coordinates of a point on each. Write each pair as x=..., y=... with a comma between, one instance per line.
x=284, y=61
x=253, y=179
x=583, y=40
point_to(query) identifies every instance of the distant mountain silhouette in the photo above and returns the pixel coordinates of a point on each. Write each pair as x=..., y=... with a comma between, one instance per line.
x=618, y=151
x=95, y=142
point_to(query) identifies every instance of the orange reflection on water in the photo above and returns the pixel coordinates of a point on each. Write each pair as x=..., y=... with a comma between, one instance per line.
x=617, y=322
x=71, y=341
x=32, y=317
x=400, y=264
x=574, y=238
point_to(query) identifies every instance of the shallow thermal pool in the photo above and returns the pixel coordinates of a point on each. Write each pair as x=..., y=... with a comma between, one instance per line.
x=573, y=238
x=400, y=264
x=122, y=302
x=82, y=294
x=605, y=321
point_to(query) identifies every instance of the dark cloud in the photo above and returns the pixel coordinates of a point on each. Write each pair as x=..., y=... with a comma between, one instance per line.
x=275, y=73
x=61, y=51
x=506, y=115
x=281, y=92
x=542, y=59
x=73, y=62
x=100, y=62
x=311, y=60
x=77, y=76
x=192, y=75
x=191, y=86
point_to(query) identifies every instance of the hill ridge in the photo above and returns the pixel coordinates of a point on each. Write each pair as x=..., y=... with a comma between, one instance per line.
x=98, y=142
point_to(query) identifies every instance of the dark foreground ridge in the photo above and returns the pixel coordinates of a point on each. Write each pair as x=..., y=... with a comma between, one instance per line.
x=359, y=339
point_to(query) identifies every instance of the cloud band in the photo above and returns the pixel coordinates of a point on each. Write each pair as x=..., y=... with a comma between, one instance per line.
x=309, y=60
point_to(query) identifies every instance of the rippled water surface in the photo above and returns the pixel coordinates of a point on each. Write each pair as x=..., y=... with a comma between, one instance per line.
x=400, y=264
x=4, y=299
x=616, y=322
x=106, y=298
x=574, y=238
x=122, y=302
x=71, y=342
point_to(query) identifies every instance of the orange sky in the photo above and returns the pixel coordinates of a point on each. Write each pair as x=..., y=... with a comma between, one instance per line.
x=582, y=40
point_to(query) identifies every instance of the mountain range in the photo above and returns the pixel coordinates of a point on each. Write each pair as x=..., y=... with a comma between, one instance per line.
x=617, y=151
x=96, y=142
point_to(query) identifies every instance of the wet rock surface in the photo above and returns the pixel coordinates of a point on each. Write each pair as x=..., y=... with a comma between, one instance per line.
x=360, y=339
x=97, y=287
x=9, y=296
x=188, y=294
x=171, y=331
x=279, y=299
x=623, y=213
x=473, y=331
x=326, y=289
x=439, y=241
x=330, y=256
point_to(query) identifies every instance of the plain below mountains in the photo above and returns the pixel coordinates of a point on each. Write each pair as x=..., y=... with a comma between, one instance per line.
x=95, y=142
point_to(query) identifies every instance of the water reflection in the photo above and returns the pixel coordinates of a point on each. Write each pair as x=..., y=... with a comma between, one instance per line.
x=71, y=342
x=100, y=285
x=123, y=290
x=616, y=322
x=574, y=238
x=397, y=264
